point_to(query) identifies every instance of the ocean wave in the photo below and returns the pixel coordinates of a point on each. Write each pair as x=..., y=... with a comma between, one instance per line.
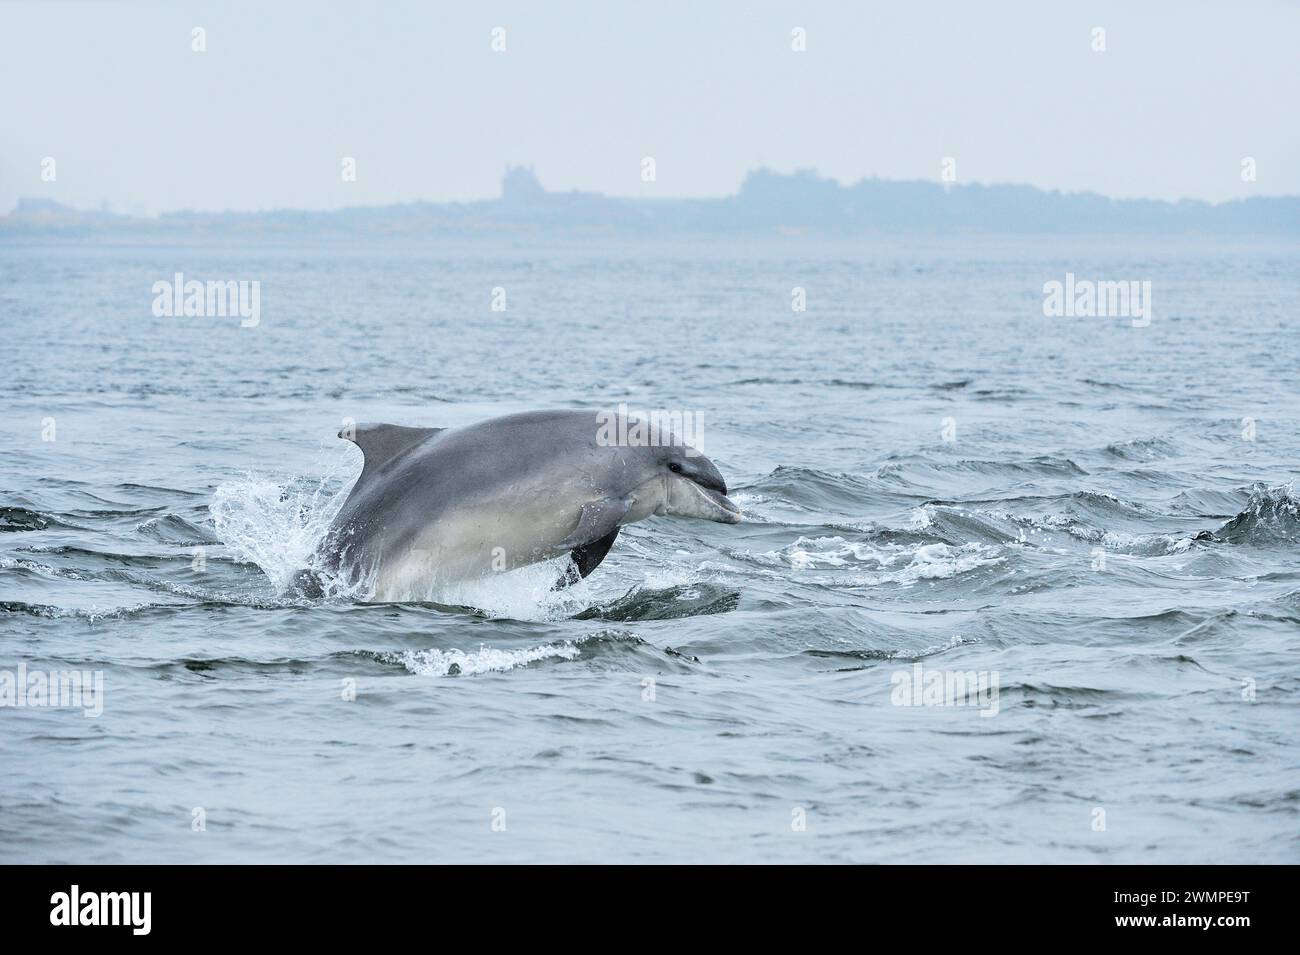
x=174, y=529
x=1271, y=516
x=896, y=653
x=667, y=603
x=612, y=643
x=23, y=566
x=1113, y=541
x=92, y=614
x=1141, y=449
x=811, y=489
x=875, y=564
x=26, y=519
x=920, y=469
x=485, y=659
x=1208, y=502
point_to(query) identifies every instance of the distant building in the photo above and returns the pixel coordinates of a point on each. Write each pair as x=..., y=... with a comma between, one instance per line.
x=520, y=184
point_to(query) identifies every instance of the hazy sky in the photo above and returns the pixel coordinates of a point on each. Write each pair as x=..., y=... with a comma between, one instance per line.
x=1012, y=91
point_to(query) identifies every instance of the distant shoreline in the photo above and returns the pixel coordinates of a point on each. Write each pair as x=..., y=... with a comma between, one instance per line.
x=767, y=203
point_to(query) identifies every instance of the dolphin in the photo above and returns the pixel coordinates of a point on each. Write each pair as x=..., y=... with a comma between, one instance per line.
x=442, y=505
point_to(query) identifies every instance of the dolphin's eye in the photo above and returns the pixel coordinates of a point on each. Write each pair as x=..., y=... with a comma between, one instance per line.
x=675, y=468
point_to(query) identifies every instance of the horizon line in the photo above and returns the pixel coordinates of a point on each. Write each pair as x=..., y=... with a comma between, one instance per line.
x=106, y=208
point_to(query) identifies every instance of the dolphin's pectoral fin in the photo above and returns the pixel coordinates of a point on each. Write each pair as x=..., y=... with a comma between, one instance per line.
x=586, y=559
x=588, y=556
x=592, y=538
x=599, y=519
x=380, y=443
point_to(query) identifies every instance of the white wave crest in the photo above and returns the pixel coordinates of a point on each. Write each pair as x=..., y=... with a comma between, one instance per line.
x=888, y=563
x=484, y=660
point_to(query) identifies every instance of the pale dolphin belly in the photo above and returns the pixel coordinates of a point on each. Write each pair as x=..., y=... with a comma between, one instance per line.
x=468, y=543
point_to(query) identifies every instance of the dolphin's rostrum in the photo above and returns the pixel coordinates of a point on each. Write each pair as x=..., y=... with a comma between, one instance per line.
x=435, y=506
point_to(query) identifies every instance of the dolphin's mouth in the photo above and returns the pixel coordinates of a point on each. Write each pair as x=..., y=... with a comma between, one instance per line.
x=727, y=511
x=684, y=497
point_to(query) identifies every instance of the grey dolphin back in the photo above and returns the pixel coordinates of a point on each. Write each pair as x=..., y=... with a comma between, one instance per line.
x=381, y=443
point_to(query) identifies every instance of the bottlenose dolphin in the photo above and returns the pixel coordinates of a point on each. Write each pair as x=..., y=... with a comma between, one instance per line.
x=442, y=505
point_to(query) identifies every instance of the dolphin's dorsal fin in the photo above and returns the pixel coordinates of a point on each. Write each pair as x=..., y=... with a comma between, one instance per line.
x=380, y=443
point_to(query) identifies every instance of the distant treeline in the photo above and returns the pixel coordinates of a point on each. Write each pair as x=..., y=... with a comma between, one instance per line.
x=767, y=201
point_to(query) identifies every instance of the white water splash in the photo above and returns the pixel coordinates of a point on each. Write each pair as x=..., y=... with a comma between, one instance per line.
x=526, y=593
x=891, y=563
x=484, y=660
x=921, y=517
x=277, y=525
